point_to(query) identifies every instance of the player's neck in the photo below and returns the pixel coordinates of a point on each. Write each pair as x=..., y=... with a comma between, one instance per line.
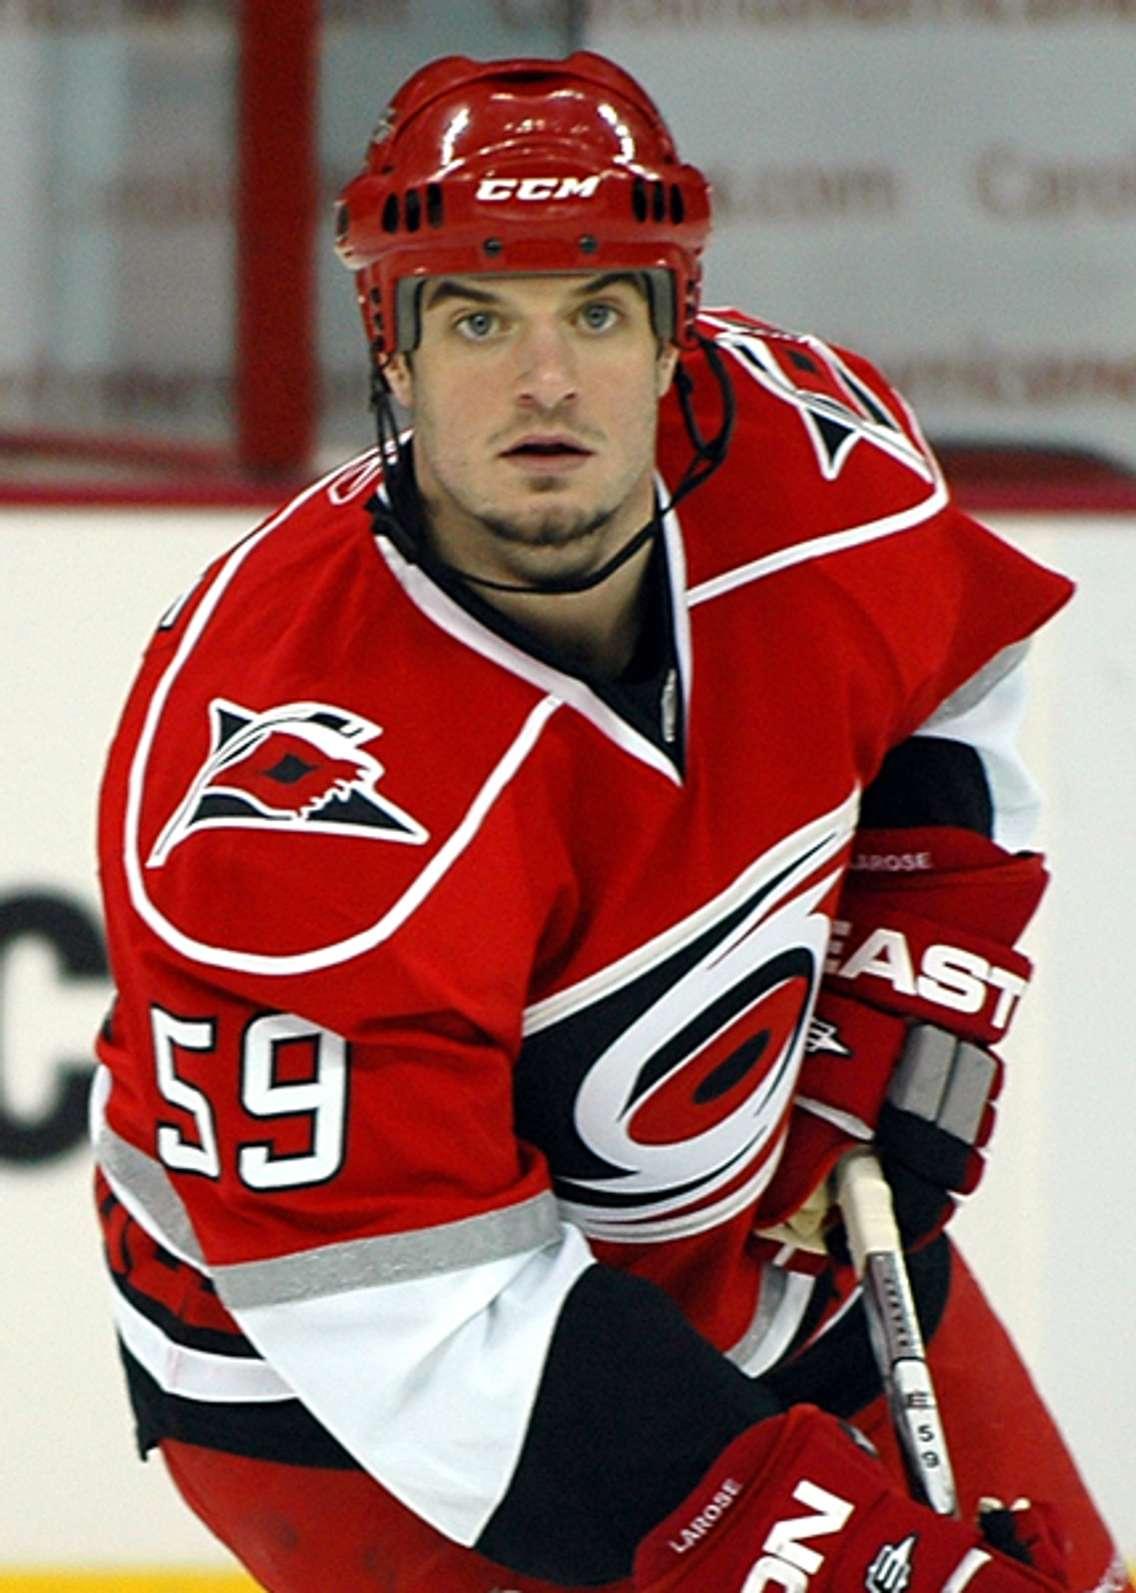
x=597, y=630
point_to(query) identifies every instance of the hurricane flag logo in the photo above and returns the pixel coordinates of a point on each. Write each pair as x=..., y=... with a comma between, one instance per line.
x=300, y=766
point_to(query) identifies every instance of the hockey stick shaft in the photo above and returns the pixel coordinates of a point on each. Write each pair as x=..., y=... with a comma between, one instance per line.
x=864, y=1198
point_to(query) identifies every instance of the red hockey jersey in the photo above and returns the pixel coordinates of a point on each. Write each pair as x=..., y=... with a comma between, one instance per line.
x=440, y=978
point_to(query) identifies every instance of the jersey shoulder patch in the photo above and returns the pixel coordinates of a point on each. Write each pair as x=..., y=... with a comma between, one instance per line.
x=836, y=397
x=305, y=772
x=304, y=765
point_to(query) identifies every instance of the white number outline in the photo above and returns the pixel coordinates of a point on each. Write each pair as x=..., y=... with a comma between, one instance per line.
x=174, y=1149
x=323, y=1097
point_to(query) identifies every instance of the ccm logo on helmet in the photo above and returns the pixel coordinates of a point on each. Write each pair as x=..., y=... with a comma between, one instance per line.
x=787, y=1562
x=491, y=189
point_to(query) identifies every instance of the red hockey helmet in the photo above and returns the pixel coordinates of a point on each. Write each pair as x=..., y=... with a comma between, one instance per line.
x=521, y=165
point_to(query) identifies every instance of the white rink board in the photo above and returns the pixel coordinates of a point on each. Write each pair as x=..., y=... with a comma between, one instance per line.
x=80, y=595
x=1050, y=1229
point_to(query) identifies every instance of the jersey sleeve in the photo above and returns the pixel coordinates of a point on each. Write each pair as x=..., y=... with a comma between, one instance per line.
x=963, y=765
x=855, y=531
x=957, y=621
x=952, y=601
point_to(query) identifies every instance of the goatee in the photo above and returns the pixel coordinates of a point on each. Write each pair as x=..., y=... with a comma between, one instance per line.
x=554, y=530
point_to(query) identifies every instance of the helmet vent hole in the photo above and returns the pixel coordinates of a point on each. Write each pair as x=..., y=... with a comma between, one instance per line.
x=659, y=201
x=678, y=205
x=435, y=211
x=412, y=207
x=390, y=213
x=639, y=199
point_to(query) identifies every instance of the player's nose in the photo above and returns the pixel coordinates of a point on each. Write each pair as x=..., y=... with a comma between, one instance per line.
x=547, y=372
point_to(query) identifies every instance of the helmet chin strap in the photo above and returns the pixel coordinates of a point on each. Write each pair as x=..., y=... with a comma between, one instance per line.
x=404, y=521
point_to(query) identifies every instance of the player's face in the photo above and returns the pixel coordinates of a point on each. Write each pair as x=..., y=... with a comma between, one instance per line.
x=535, y=405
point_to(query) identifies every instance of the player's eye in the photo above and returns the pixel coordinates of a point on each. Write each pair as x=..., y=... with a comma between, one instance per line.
x=598, y=316
x=476, y=325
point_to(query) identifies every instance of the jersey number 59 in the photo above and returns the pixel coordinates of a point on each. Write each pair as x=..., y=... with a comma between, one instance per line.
x=322, y=1098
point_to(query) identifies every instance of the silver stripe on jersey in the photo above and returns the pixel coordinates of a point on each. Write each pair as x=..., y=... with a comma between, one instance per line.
x=392, y=1258
x=147, y=1192
x=141, y=1183
x=390, y=1367
x=145, y=1189
x=980, y=684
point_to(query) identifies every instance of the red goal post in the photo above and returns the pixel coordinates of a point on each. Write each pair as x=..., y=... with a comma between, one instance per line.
x=277, y=202
x=271, y=206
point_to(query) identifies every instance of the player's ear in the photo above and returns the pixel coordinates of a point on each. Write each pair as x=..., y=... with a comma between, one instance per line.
x=665, y=364
x=400, y=379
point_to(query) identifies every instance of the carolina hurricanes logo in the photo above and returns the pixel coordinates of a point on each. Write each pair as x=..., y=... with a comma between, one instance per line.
x=658, y=1091
x=298, y=766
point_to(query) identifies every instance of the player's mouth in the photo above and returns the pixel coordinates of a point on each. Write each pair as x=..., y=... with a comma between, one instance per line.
x=547, y=452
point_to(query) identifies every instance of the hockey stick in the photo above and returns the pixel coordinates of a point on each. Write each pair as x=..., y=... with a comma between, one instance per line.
x=864, y=1198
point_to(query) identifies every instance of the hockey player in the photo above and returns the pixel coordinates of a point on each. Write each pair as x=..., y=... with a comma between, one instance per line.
x=531, y=858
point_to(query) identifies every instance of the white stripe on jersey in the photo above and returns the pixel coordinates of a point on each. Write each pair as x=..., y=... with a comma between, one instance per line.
x=196, y=1374
x=988, y=718
x=374, y=934
x=790, y=860
x=528, y=734
x=819, y=548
